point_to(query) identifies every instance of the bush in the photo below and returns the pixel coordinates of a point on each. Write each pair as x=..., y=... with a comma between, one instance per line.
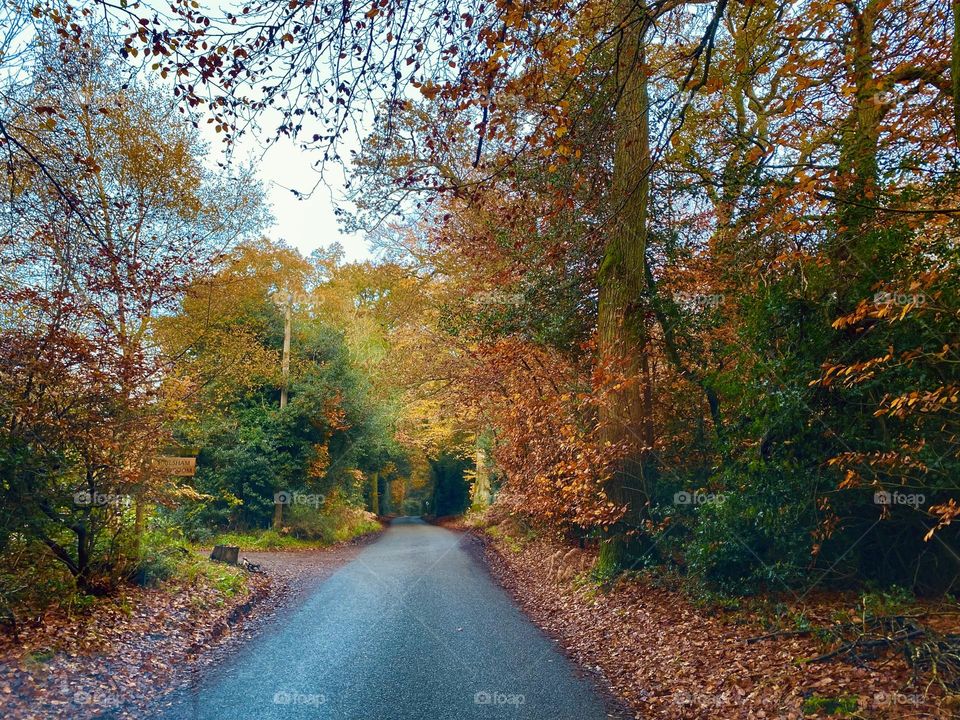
x=31, y=580
x=305, y=527
x=758, y=536
x=336, y=521
x=161, y=556
x=258, y=540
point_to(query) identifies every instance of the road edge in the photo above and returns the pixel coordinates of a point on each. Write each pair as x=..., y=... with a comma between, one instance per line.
x=484, y=549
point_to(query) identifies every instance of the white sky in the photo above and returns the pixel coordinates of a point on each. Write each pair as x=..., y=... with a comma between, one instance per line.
x=305, y=224
x=308, y=223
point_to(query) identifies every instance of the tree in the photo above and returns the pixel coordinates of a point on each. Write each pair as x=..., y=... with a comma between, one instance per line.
x=635, y=247
x=110, y=220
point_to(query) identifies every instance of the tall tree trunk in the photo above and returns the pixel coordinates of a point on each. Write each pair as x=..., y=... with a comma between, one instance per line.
x=622, y=332
x=140, y=520
x=277, y=514
x=285, y=369
x=955, y=69
x=375, y=493
x=860, y=137
x=481, y=486
x=83, y=556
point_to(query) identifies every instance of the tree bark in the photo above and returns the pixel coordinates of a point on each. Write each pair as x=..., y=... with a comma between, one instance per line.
x=481, y=486
x=277, y=515
x=955, y=69
x=140, y=521
x=625, y=419
x=285, y=369
x=860, y=136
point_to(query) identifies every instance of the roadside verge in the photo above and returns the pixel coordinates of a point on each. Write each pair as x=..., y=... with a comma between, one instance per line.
x=670, y=659
x=124, y=654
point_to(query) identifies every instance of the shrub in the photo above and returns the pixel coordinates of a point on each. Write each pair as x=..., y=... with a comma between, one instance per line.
x=758, y=536
x=336, y=521
x=160, y=558
x=31, y=580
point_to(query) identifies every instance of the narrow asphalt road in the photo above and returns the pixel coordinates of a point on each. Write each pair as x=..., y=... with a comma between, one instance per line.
x=414, y=627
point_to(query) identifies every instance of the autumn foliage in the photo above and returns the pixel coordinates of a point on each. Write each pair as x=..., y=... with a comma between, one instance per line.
x=637, y=254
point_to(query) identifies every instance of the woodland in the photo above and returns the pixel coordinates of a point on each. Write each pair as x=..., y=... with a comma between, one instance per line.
x=675, y=283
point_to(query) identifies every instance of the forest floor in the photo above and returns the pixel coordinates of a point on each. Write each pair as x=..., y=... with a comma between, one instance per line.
x=121, y=655
x=667, y=657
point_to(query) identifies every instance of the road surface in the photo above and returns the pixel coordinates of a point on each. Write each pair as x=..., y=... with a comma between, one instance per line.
x=414, y=627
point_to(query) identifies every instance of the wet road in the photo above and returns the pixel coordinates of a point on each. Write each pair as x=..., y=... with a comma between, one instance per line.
x=414, y=627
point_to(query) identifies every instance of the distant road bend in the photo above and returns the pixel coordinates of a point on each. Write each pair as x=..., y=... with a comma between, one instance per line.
x=414, y=627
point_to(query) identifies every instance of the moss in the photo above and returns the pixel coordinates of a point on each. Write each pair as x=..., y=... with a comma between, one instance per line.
x=505, y=539
x=820, y=704
x=892, y=601
x=305, y=528
x=39, y=657
x=610, y=559
x=264, y=540
x=227, y=580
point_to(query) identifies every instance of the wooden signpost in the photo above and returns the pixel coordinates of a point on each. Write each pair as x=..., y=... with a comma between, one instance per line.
x=177, y=466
